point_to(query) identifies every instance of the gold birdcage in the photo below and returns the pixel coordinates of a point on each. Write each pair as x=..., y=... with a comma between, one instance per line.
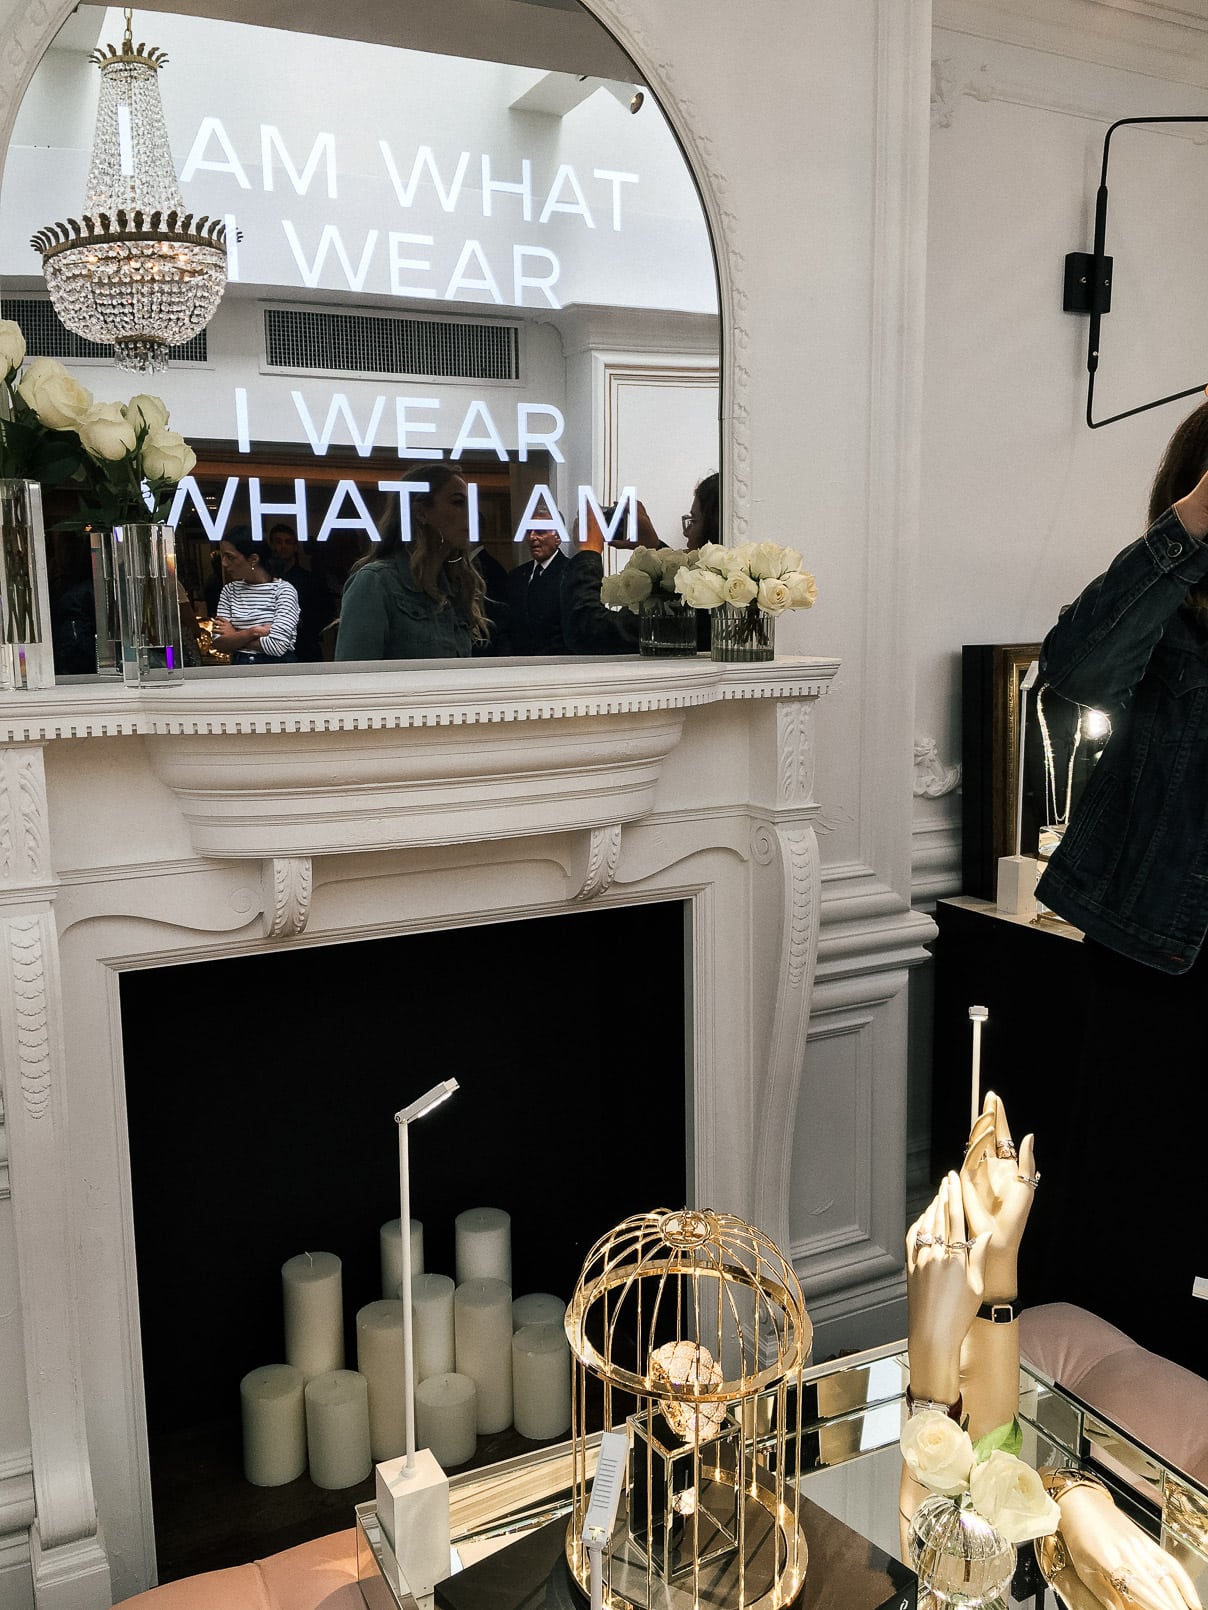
x=694, y=1325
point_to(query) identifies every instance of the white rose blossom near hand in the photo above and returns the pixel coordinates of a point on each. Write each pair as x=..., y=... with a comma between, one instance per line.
x=937, y=1452
x=633, y=584
x=1009, y=1494
x=59, y=401
x=106, y=432
x=768, y=560
x=802, y=588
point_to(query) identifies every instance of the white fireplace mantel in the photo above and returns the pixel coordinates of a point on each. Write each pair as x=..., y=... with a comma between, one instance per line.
x=234, y=814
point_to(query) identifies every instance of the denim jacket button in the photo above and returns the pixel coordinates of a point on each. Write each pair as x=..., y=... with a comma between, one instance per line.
x=1174, y=549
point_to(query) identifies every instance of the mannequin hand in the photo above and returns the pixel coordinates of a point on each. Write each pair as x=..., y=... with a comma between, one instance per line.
x=943, y=1291
x=995, y=1194
x=1113, y=1557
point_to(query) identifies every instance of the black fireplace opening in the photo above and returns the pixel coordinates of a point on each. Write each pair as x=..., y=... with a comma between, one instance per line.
x=261, y=1092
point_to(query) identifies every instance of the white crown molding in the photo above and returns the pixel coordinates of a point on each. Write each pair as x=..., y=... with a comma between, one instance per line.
x=1158, y=41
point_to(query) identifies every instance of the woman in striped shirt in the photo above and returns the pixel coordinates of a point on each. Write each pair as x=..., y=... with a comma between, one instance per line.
x=257, y=619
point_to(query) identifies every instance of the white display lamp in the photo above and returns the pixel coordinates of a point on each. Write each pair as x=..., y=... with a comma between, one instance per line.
x=413, y=1491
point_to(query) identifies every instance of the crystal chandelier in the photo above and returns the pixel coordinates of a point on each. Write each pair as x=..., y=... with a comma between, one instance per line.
x=136, y=271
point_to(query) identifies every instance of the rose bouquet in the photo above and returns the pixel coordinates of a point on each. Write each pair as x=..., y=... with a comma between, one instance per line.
x=754, y=576
x=120, y=458
x=987, y=1477
x=650, y=575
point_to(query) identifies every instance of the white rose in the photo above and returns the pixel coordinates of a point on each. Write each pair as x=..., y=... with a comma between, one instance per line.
x=670, y=561
x=739, y=588
x=645, y=559
x=12, y=347
x=703, y=589
x=937, y=1452
x=610, y=591
x=106, y=432
x=166, y=456
x=774, y=596
x=1010, y=1495
x=802, y=586
x=633, y=584
x=58, y=400
x=716, y=556
x=149, y=410
x=770, y=559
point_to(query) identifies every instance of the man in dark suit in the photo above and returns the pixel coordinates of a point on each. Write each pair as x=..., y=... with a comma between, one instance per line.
x=535, y=597
x=314, y=602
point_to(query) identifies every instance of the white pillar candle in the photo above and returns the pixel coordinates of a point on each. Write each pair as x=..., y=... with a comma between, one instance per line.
x=537, y=1308
x=312, y=1292
x=445, y=1418
x=390, y=1247
x=541, y=1381
x=380, y=1360
x=337, y=1429
x=483, y=1245
x=432, y=1326
x=482, y=1325
x=274, y=1425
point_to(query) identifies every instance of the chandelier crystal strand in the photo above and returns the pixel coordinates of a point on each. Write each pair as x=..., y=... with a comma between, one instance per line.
x=136, y=271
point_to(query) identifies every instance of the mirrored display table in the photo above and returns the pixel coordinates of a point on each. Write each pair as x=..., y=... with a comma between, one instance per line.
x=849, y=1467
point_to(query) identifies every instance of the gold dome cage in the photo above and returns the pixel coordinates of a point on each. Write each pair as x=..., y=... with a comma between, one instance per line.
x=689, y=1331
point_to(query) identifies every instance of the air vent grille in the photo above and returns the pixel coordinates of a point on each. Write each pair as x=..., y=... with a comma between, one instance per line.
x=390, y=344
x=46, y=336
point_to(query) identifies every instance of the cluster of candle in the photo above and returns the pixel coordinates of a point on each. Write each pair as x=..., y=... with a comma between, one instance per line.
x=482, y=1361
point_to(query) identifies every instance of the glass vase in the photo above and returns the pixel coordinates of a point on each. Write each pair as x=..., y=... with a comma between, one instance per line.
x=743, y=632
x=958, y=1557
x=666, y=627
x=26, y=647
x=148, y=607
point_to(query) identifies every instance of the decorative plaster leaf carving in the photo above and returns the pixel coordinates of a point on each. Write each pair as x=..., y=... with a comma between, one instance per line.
x=27, y=964
x=794, y=745
x=604, y=851
x=22, y=817
x=287, y=885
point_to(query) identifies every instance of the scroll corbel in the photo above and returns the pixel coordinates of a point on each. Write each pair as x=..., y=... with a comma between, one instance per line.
x=603, y=853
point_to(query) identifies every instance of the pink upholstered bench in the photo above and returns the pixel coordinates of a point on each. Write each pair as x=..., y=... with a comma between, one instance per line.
x=1159, y=1402
x=319, y=1575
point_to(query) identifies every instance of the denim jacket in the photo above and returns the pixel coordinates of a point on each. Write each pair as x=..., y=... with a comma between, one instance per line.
x=385, y=616
x=1132, y=868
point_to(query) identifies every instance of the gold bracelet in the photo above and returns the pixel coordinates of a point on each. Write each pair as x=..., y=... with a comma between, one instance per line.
x=1058, y=1482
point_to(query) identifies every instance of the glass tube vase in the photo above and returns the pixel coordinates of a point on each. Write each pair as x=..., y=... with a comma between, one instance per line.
x=26, y=648
x=144, y=573
x=743, y=632
x=959, y=1558
x=666, y=627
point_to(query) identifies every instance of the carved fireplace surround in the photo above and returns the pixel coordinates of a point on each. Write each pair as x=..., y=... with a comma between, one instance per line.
x=236, y=814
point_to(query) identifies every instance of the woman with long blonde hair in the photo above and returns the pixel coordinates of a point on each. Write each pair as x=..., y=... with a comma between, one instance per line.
x=420, y=599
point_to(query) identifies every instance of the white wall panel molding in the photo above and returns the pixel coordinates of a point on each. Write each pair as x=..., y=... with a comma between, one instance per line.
x=935, y=864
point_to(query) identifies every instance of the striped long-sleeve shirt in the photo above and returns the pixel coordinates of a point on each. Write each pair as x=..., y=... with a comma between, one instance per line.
x=248, y=603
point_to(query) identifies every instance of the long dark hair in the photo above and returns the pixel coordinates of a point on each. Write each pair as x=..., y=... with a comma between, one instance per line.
x=240, y=538
x=708, y=495
x=428, y=554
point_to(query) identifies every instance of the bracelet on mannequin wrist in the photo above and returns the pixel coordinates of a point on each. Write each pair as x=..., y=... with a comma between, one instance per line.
x=924, y=1405
x=1004, y=1312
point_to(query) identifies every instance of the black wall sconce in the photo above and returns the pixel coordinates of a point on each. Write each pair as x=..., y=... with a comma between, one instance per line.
x=1088, y=284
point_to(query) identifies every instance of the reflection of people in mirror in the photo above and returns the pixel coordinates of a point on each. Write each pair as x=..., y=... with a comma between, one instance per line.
x=423, y=599
x=534, y=597
x=590, y=627
x=1131, y=871
x=257, y=619
x=312, y=595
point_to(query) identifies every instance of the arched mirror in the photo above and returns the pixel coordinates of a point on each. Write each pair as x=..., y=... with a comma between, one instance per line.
x=457, y=232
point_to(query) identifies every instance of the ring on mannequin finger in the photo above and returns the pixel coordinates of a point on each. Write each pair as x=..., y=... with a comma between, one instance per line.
x=1005, y=1149
x=1030, y=1180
